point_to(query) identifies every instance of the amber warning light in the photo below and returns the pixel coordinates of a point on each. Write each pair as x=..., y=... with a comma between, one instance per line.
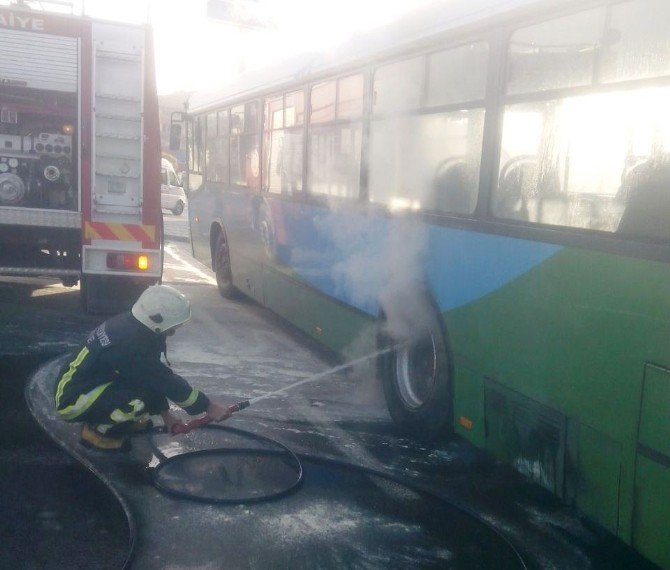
x=127, y=261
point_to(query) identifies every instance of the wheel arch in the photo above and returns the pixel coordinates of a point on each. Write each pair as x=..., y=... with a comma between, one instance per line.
x=220, y=251
x=424, y=296
x=215, y=230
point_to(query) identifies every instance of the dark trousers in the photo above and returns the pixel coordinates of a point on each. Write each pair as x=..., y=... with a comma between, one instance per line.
x=119, y=406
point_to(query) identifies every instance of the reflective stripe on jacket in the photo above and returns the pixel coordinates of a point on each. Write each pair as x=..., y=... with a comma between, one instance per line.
x=121, y=350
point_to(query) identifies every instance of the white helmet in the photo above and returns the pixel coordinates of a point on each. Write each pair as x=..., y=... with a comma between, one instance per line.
x=161, y=307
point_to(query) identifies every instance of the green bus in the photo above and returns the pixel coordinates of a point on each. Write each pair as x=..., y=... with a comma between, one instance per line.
x=485, y=190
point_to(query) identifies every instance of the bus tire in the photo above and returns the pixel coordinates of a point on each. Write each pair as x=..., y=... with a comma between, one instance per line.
x=222, y=269
x=267, y=233
x=417, y=382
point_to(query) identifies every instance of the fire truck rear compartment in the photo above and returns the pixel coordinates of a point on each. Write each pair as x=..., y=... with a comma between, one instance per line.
x=38, y=149
x=41, y=251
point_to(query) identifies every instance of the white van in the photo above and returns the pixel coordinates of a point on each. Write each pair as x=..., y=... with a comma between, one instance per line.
x=173, y=197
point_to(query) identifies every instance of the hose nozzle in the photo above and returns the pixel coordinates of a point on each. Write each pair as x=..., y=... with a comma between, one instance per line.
x=202, y=422
x=239, y=406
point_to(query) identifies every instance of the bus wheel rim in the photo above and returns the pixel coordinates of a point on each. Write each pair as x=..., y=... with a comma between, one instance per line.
x=416, y=372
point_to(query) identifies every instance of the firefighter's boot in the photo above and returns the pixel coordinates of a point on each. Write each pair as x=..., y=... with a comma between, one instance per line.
x=93, y=439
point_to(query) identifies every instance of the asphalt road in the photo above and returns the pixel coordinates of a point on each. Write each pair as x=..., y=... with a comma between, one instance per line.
x=237, y=350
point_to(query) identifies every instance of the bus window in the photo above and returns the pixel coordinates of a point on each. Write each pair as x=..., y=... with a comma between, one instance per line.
x=282, y=143
x=294, y=109
x=593, y=161
x=292, y=154
x=217, y=148
x=323, y=102
x=637, y=44
x=335, y=144
x=245, y=145
x=274, y=113
x=468, y=63
x=212, y=126
x=647, y=202
x=197, y=142
x=556, y=54
x=335, y=160
x=237, y=120
x=210, y=143
x=576, y=161
x=252, y=117
x=273, y=122
x=430, y=160
x=223, y=124
x=427, y=162
x=398, y=86
x=350, y=97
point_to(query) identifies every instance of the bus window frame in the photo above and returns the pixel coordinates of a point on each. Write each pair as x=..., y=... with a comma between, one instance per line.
x=488, y=103
x=601, y=240
x=482, y=219
x=294, y=128
x=363, y=119
x=217, y=112
x=258, y=132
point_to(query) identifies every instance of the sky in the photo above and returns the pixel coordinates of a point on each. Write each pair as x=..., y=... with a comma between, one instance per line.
x=195, y=53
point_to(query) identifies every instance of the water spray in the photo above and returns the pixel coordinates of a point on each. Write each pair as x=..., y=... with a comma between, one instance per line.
x=201, y=422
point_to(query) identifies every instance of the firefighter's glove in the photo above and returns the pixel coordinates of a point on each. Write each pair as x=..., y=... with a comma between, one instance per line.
x=169, y=420
x=217, y=412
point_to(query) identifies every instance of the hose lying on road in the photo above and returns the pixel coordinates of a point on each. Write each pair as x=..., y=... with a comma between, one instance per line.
x=269, y=470
x=228, y=475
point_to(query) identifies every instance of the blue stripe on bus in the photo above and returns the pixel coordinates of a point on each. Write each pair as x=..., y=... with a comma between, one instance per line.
x=467, y=265
x=354, y=258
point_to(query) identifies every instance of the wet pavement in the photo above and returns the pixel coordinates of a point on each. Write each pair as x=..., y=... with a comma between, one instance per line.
x=176, y=227
x=340, y=517
x=53, y=513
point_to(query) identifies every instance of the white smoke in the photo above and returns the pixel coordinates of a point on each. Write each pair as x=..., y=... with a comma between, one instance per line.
x=382, y=264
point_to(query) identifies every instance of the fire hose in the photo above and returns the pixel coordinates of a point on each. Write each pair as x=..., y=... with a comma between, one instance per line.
x=170, y=472
x=185, y=466
x=180, y=428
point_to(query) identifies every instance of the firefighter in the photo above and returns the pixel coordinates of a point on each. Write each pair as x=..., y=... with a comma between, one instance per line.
x=116, y=380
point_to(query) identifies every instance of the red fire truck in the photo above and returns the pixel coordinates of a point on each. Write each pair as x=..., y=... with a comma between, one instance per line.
x=79, y=155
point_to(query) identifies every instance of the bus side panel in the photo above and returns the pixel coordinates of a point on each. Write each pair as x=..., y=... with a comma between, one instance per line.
x=235, y=212
x=469, y=404
x=203, y=212
x=569, y=329
x=574, y=334
x=299, y=245
x=240, y=219
x=652, y=470
x=595, y=475
x=345, y=331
